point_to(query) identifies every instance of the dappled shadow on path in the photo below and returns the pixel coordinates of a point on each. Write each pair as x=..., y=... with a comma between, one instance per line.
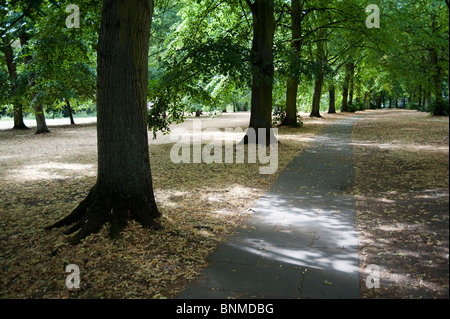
x=300, y=241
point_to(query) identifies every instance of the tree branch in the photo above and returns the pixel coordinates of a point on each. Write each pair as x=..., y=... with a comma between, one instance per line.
x=13, y=23
x=245, y=14
x=251, y=6
x=285, y=6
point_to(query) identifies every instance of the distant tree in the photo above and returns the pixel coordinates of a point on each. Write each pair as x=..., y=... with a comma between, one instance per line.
x=13, y=82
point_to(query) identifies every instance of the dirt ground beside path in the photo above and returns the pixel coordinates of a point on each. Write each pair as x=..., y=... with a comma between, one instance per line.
x=44, y=177
x=402, y=170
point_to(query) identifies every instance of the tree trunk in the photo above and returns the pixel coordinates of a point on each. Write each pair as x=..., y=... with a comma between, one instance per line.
x=12, y=71
x=428, y=100
x=262, y=67
x=352, y=86
x=293, y=83
x=40, y=119
x=319, y=77
x=419, y=98
x=345, y=90
x=37, y=107
x=317, y=97
x=124, y=187
x=437, y=71
x=291, y=103
x=332, y=100
x=69, y=110
x=437, y=77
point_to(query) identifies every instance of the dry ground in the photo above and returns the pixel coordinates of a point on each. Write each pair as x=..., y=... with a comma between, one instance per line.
x=401, y=158
x=44, y=177
x=402, y=164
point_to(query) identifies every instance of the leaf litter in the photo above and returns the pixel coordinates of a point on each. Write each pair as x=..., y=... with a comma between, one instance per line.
x=402, y=167
x=44, y=177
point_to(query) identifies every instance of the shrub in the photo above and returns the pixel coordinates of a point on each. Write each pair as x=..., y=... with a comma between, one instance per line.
x=356, y=106
x=439, y=108
x=279, y=116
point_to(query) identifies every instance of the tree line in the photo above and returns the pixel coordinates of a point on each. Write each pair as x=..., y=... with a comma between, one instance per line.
x=263, y=56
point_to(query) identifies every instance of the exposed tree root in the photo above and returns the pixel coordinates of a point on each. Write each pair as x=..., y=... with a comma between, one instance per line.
x=43, y=131
x=288, y=122
x=99, y=208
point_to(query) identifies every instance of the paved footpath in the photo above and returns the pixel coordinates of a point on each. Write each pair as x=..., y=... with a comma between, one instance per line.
x=300, y=241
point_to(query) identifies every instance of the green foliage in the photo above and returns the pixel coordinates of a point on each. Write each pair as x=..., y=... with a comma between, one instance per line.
x=356, y=106
x=280, y=115
x=200, y=66
x=53, y=63
x=201, y=51
x=438, y=108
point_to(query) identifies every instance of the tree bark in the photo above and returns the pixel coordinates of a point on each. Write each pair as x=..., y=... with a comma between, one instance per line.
x=124, y=188
x=437, y=77
x=351, y=86
x=346, y=86
x=317, y=97
x=12, y=71
x=40, y=119
x=332, y=100
x=291, y=103
x=37, y=107
x=69, y=110
x=319, y=77
x=437, y=69
x=262, y=67
x=293, y=83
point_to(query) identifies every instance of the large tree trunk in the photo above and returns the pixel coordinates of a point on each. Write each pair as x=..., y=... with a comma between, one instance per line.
x=12, y=71
x=262, y=67
x=293, y=83
x=37, y=107
x=124, y=187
